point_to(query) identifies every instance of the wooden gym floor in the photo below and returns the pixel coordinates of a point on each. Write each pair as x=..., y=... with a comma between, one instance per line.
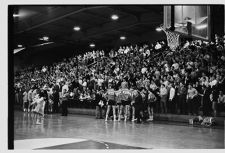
x=86, y=132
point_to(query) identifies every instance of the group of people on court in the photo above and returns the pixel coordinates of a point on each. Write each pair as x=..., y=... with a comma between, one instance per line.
x=127, y=103
x=44, y=100
x=35, y=101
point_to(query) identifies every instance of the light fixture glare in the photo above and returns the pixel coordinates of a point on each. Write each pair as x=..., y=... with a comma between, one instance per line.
x=115, y=17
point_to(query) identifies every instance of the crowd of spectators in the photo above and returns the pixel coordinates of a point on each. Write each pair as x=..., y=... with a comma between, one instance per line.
x=186, y=81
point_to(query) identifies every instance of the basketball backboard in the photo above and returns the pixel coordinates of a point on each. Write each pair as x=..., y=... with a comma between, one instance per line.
x=192, y=20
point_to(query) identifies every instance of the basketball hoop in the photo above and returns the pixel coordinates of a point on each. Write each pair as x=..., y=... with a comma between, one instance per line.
x=172, y=38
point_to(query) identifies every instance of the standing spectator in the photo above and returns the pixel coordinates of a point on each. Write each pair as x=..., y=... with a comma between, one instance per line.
x=144, y=94
x=25, y=101
x=65, y=87
x=44, y=90
x=206, y=103
x=171, y=102
x=99, y=102
x=214, y=99
x=30, y=99
x=138, y=105
x=191, y=95
x=151, y=104
x=163, y=98
x=34, y=93
x=176, y=98
x=221, y=102
x=155, y=90
x=65, y=97
x=16, y=95
x=20, y=96
x=50, y=98
x=55, y=98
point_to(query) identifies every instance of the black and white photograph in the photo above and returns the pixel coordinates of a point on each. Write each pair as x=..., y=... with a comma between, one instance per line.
x=115, y=76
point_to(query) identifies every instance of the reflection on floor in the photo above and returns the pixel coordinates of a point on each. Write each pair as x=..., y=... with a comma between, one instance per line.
x=86, y=132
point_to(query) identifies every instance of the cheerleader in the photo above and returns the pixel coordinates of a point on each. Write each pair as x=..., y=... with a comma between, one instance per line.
x=118, y=103
x=133, y=95
x=132, y=90
x=111, y=102
x=39, y=109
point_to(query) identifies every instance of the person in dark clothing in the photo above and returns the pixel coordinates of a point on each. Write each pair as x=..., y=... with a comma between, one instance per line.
x=45, y=94
x=157, y=104
x=191, y=99
x=221, y=84
x=56, y=88
x=181, y=96
x=144, y=111
x=91, y=84
x=221, y=102
x=65, y=97
x=197, y=99
x=176, y=99
x=55, y=98
x=138, y=104
x=99, y=103
x=206, y=103
x=75, y=84
x=214, y=98
x=76, y=97
x=55, y=95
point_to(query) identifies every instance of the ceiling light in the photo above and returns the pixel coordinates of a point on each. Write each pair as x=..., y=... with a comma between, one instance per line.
x=76, y=28
x=122, y=37
x=19, y=46
x=92, y=45
x=158, y=29
x=16, y=15
x=45, y=38
x=115, y=17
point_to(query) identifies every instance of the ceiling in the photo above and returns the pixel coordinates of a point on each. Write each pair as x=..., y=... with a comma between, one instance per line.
x=57, y=22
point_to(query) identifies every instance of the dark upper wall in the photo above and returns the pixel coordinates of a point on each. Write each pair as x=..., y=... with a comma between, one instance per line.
x=217, y=20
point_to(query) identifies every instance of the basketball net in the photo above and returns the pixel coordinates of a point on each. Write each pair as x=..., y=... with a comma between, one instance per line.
x=172, y=38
